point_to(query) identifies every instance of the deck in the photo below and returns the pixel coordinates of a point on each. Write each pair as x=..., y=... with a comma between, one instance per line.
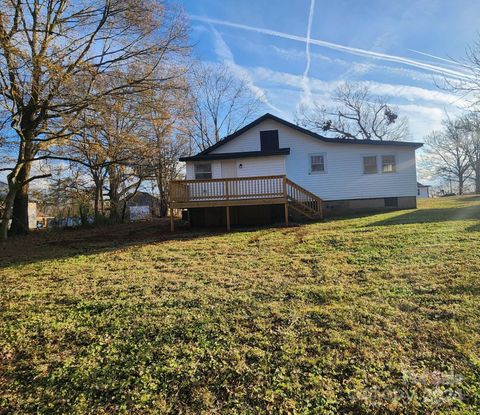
x=243, y=191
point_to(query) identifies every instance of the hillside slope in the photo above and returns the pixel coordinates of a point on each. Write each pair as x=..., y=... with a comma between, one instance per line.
x=370, y=315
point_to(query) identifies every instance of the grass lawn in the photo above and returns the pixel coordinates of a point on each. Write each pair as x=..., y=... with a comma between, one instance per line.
x=371, y=315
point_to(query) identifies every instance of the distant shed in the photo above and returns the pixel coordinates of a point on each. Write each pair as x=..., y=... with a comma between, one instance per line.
x=423, y=191
x=143, y=206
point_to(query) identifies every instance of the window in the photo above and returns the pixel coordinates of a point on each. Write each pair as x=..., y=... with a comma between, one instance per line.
x=203, y=171
x=388, y=164
x=317, y=163
x=370, y=165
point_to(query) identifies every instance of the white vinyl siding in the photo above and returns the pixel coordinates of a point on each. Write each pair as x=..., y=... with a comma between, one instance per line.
x=344, y=178
x=370, y=165
x=261, y=166
x=246, y=167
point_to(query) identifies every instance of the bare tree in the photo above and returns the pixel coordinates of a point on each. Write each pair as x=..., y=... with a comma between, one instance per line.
x=470, y=126
x=67, y=196
x=53, y=54
x=447, y=155
x=221, y=104
x=167, y=137
x=357, y=114
x=466, y=82
x=109, y=142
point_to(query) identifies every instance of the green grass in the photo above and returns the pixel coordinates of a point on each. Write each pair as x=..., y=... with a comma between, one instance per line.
x=370, y=315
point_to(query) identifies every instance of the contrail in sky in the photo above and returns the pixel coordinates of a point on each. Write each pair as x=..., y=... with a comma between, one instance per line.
x=305, y=81
x=336, y=46
x=451, y=61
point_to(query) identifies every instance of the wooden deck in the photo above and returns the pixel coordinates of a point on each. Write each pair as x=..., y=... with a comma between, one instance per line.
x=244, y=191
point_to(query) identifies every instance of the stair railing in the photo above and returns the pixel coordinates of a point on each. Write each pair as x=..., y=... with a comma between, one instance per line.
x=306, y=199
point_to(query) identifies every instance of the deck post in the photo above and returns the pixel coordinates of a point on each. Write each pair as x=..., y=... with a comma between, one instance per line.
x=172, y=224
x=286, y=214
x=228, y=217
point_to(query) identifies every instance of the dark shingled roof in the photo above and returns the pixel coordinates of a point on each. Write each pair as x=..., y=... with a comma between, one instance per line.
x=242, y=154
x=268, y=116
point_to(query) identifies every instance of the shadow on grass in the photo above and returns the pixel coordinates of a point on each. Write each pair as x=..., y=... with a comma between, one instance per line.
x=65, y=243
x=68, y=243
x=434, y=215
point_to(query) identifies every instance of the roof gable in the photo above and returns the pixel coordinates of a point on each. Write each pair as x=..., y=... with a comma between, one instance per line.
x=286, y=123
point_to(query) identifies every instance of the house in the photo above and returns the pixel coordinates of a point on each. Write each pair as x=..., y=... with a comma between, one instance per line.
x=142, y=206
x=32, y=206
x=271, y=169
x=3, y=195
x=423, y=191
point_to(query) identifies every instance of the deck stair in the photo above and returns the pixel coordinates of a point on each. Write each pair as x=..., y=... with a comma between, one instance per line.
x=302, y=201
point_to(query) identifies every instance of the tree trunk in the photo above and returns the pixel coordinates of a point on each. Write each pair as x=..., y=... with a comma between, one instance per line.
x=113, y=195
x=460, y=185
x=477, y=179
x=98, y=199
x=20, y=204
x=162, y=193
x=124, y=211
x=20, y=213
x=96, y=203
x=7, y=215
x=114, y=208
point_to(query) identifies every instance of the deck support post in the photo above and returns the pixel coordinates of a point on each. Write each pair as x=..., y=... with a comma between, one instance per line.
x=286, y=214
x=172, y=224
x=228, y=217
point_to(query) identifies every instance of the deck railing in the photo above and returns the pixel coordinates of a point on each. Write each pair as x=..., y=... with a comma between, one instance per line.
x=238, y=188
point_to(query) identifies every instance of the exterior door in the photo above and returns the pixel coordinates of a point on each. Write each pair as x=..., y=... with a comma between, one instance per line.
x=229, y=168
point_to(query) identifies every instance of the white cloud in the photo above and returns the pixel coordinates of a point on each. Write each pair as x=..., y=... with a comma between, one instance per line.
x=423, y=107
x=405, y=92
x=456, y=73
x=225, y=54
x=358, y=68
x=422, y=119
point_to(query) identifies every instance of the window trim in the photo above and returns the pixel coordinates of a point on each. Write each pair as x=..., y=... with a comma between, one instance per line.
x=376, y=163
x=202, y=164
x=310, y=171
x=394, y=163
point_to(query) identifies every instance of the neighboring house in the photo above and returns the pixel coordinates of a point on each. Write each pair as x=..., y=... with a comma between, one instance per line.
x=278, y=167
x=3, y=189
x=32, y=206
x=143, y=206
x=3, y=194
x=423, y=191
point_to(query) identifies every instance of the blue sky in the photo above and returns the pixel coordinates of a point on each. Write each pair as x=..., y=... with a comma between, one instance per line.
x=387, y=44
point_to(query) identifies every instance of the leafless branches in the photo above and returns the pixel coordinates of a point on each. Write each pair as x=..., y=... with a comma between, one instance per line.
x=446, y=153
x=357, y=114
x=221, y=104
